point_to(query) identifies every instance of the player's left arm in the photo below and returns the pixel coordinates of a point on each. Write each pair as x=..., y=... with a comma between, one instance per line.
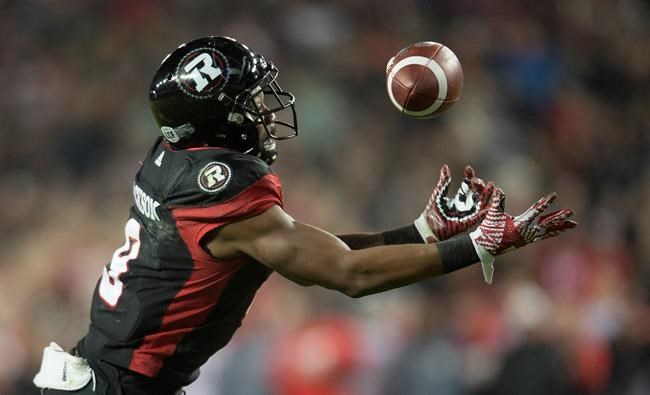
x=442, y=217
x=359, y=241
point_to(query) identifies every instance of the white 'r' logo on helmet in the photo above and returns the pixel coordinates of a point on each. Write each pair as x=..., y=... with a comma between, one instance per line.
x=202, y=72
x=199, y=66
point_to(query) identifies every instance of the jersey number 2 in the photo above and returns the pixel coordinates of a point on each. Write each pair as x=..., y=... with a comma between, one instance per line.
x=111, y=287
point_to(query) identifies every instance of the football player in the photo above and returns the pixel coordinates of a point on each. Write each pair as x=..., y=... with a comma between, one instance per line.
x=207, y=227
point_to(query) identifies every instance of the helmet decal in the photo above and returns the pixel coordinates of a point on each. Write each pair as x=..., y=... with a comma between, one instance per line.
x=174, y=135
x=214, y=177
x=202, y=72
x=170, y=134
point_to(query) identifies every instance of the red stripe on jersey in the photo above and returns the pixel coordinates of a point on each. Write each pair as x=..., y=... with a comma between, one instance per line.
x=209, y=277
x=264, y=193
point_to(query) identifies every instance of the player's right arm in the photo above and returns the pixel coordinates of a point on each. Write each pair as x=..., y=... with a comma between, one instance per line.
x=309, y=255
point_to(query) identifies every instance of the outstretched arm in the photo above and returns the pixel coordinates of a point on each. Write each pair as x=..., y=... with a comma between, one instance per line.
x=309, y=255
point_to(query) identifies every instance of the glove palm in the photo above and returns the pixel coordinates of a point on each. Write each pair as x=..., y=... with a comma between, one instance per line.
x=444, y=217
x=500, y=232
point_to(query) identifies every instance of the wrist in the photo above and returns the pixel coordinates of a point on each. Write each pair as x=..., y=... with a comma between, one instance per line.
x=404, y=235
x=457, y=253
x=424, y=230
x=487, y=259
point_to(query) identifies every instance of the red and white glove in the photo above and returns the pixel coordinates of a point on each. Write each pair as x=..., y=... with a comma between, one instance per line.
x=444, y=217
x=500, y=232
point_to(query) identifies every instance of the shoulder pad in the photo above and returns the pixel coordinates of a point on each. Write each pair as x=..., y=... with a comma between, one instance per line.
x=217, y=175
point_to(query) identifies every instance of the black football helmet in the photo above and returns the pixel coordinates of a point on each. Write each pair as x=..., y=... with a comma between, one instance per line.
x=209, y=91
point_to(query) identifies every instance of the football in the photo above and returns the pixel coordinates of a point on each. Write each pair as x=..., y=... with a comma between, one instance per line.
x=424, y=79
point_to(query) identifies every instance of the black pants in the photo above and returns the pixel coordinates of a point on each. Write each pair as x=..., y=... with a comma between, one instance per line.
x=119, y=381
x=109, y=381
x=106, y=382
x=100, y=389
x=113, y=380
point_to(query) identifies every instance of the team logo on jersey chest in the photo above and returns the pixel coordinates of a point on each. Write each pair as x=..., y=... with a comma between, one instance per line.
x=214, y=177
x=202, y=72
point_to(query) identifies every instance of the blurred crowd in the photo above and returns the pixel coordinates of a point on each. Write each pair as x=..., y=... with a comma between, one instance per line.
x=556, y=98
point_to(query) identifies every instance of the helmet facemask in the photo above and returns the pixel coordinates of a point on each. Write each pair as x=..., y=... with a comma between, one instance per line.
x=248, y=111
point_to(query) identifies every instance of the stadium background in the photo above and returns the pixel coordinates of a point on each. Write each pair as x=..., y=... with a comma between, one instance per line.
x=556, y=98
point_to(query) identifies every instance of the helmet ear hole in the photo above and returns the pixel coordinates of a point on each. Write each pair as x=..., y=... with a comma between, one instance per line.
x=236, y=118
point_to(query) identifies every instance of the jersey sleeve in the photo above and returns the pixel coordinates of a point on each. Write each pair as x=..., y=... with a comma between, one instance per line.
x=221, y=189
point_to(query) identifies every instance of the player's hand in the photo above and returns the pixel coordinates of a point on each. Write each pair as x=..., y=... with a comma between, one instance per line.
x=444, y=217
x=500, y=232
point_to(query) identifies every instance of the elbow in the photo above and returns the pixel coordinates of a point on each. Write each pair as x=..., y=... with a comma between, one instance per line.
x=351, y=281
x=355, y=293
x=352, y=290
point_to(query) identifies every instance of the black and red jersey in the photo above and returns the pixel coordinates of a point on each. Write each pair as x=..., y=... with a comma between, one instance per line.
x=164, y=305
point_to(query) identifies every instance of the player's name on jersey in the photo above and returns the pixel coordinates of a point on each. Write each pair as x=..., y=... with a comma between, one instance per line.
x=145, y=203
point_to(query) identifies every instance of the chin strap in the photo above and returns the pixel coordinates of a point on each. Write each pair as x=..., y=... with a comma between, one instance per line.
x=268, y=154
